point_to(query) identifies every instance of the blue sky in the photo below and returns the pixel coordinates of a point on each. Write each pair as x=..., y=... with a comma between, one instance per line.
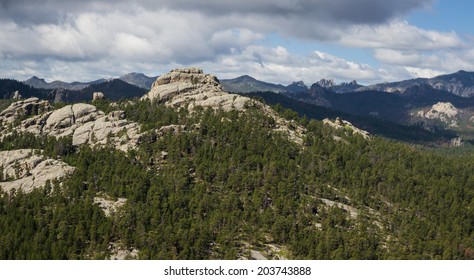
x=370, y=41
x=446, y=16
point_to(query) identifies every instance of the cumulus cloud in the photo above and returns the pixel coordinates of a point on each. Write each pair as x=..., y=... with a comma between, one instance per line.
x=278, y=65
x=362, y=11
x=66, y=39
x=399, y=34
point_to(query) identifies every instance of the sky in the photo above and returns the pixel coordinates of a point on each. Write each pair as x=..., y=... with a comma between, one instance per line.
x=282, y=41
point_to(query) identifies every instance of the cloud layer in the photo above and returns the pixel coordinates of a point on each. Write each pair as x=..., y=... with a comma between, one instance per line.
x=81, y=40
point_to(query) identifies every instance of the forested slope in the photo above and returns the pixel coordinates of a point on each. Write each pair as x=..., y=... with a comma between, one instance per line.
x=211, y=184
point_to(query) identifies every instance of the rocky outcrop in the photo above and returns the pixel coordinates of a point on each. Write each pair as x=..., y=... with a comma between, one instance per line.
x=119, y=252
x=442, y=111
x=346, y=126
x=22, y=109
x=326, y=83
x=109, y=206
x=16, y=95
x=456, y=142
x=83, y=122
x=98, y=95
x=26, y=169
x=191, y=87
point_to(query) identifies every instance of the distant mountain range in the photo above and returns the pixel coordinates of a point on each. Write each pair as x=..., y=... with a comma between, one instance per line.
x=139, y=80
x=127, y=86
x=41, y=83
x=136, y=79
x=415, y=101
x=246, y=84
x=113, y=89
x=460, y=83
x=405, y=102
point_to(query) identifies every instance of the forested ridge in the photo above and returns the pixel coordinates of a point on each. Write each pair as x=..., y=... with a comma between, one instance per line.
x=214, y=185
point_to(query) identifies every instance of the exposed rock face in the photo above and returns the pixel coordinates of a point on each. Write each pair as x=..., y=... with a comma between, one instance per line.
x=456, y=142
x=98, y=95
x=191, y=87
x=443, y=111
x=345, y=125
x=83, y=122
x=326, y=83
x=118, y=252
x=109, y=206
x=16, y=95
x=25, y=169
x=22, y=109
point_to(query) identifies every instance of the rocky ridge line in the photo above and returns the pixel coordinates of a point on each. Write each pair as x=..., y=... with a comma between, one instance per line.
x=83, y=122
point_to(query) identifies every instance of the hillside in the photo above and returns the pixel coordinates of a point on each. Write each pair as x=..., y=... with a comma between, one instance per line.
x=190, y=171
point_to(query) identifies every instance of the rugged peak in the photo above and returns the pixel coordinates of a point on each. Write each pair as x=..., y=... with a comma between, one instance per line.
x=193, y=77
x=352, y=83
x=35, y=78
x=299, y=84
x=326, y=83
x=190, y=86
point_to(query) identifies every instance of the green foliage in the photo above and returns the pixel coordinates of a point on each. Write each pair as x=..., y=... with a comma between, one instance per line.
x=223, y=180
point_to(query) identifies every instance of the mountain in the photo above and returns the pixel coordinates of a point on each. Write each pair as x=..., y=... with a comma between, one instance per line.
x=245, y=84
x=399, y=108
x=139, y=80
x=41, y=83
x=190, y=171
x=413, y=132
x=8, y=88
x=346, y=87
x=397, y=102
x=460, y=83
x=297, y=87
x=113, y=89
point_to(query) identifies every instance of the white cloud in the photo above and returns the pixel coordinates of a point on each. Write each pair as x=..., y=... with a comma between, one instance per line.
x=84, y=40
x=423, y=72
x=400, y=35
x=278, y=65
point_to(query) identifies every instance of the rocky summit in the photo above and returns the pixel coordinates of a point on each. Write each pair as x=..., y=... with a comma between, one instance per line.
x=191, y=87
